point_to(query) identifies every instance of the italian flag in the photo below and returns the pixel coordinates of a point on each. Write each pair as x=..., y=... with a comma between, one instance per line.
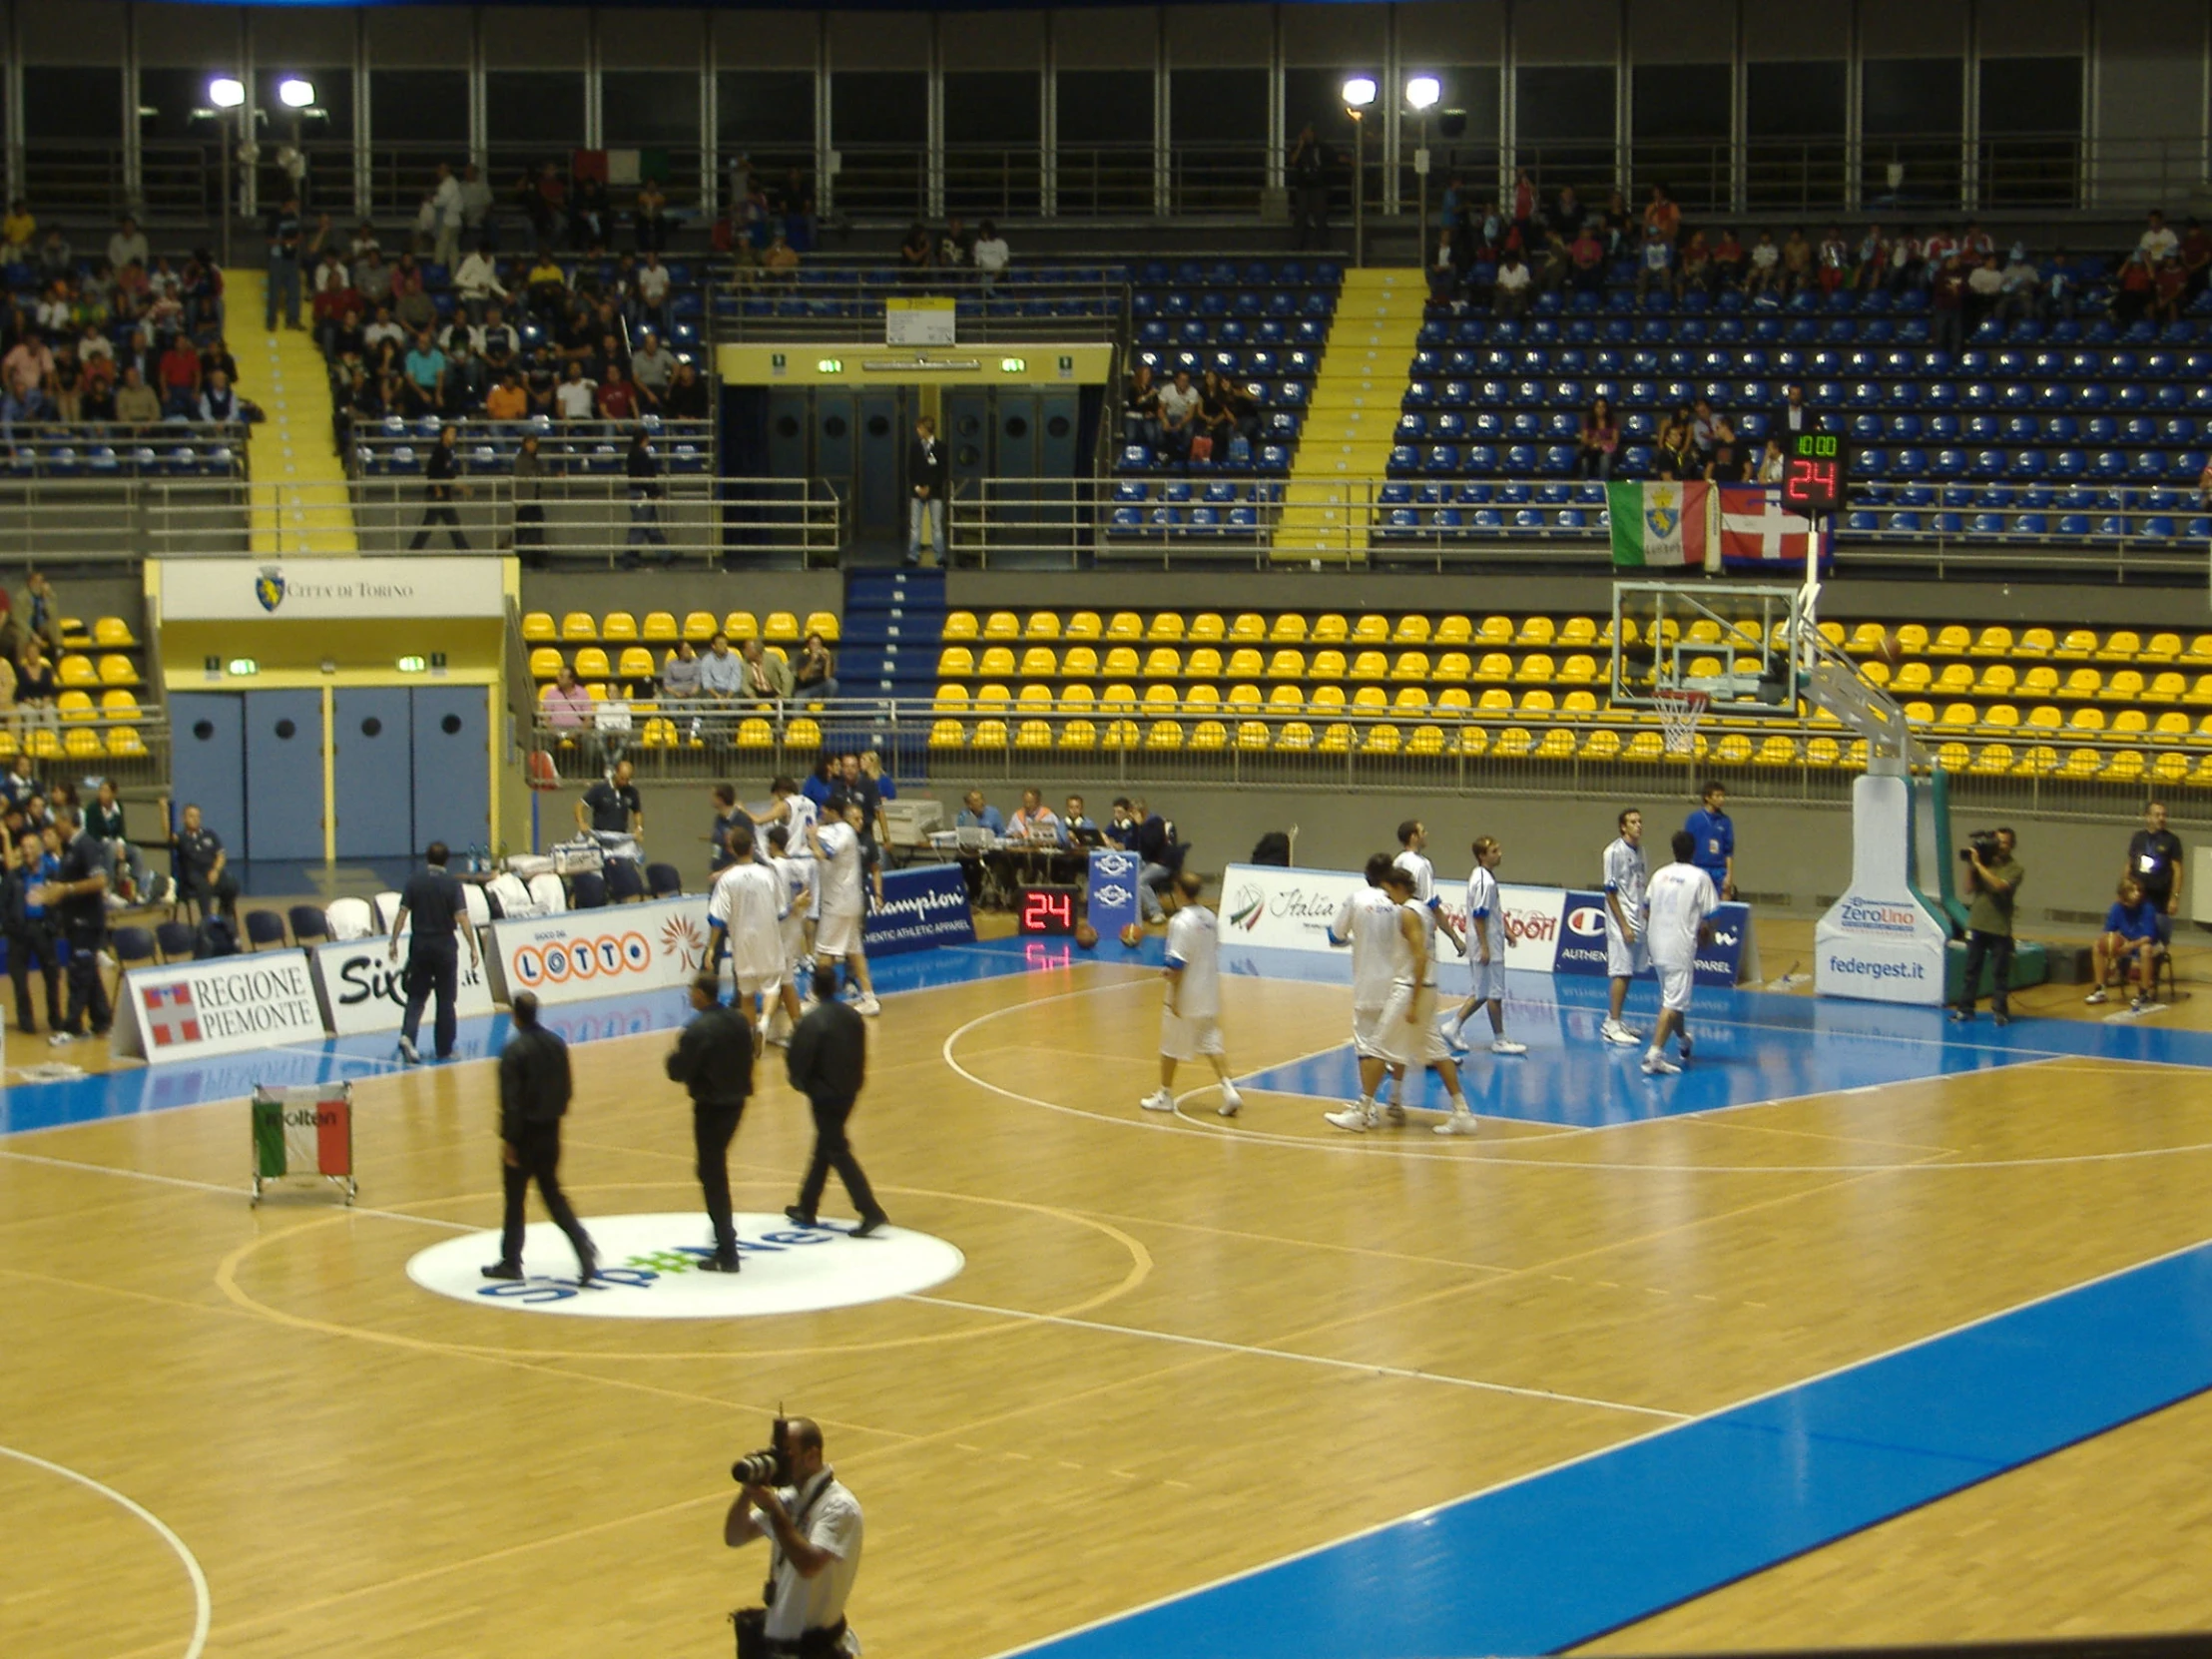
x=1658, y=525
x=302, y=1137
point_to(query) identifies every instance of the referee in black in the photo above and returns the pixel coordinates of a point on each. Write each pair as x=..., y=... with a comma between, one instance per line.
x=714, y=1059
x=827, y=1063
x=440, y=909
x=80, y=892
x=534, y=1090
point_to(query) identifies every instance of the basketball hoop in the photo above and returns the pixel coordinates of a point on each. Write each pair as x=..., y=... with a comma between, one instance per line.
x=1679, y=711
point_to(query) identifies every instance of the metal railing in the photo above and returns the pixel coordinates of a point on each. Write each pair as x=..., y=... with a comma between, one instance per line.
x=112, y=449
x=132, y=748
x=568, y=446
x=836, y=303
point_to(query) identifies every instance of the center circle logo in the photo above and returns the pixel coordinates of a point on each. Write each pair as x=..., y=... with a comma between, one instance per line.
x=649, y=1268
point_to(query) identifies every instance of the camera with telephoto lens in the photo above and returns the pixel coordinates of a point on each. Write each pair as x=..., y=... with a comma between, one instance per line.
x=1981, y=844
x=769, y=1467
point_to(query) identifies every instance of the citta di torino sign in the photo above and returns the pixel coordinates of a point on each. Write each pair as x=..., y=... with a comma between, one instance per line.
x=220, y=1006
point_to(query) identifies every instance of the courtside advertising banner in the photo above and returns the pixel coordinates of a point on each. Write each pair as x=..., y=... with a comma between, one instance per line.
x=361, y=988
x=1114, y=903
x=923, y=907
x=1720, y=960
x=604, y=952
x=223, y=1005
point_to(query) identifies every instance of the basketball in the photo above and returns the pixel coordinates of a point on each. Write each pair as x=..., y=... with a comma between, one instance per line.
x=1891, y=651
x=1087, y=935
x=1132, y=936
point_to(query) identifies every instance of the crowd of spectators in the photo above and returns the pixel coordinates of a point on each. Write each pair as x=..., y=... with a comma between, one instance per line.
x=1184, y=419
x=705, y=693
x=123, y=339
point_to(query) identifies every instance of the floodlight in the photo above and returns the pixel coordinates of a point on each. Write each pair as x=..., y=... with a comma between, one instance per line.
x=225, y=92
x=1358, y=92
x=1423, y=91
x=296, y=94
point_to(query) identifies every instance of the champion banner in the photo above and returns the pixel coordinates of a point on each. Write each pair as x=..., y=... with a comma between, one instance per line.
x=1758, y=533
x=1658, y=525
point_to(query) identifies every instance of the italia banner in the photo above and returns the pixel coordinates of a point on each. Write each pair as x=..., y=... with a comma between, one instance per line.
x=1758, y=534
x=295, y=1133
x=1659, y=526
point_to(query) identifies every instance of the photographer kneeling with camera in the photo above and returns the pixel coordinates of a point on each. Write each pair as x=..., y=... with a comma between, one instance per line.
x=792, y=1498
x=1994, y=879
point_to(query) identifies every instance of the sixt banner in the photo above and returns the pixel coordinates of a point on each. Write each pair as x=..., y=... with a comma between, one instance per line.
x=923, y=907
x=1113, y=903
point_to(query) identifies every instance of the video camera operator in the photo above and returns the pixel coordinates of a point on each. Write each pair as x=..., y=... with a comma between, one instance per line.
x=792, y=1497
x=1994, y=879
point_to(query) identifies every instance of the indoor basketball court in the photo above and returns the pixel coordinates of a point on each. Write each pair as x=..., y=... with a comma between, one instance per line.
x=1675, y=1363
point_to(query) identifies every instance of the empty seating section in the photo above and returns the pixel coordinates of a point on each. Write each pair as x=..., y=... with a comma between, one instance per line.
x=1991, y=698
x=2074, y=430
x=97, y=709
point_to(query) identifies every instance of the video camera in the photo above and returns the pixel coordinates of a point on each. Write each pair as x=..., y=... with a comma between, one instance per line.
x=1981, y=844
x=771, y=1467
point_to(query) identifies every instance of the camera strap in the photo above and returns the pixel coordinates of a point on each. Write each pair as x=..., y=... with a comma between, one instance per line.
x=799, y=1525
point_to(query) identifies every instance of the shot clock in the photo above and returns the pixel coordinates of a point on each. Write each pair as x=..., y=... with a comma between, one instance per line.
x=1816, y=472
x=1045, y=912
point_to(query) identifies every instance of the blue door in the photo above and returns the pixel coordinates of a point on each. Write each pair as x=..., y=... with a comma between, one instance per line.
x=283, y=775
x=453, y=767
x=372, y=736
x=206, y=763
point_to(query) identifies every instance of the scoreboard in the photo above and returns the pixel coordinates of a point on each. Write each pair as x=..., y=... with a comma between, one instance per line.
x=1816, y=472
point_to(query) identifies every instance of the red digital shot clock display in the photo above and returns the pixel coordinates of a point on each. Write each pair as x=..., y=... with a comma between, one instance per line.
x=1045, y=911
x=1815, y=473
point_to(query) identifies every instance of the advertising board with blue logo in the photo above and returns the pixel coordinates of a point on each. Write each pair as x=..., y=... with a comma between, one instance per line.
x=1113, y=902
x=1720, y=960
x=923, y=908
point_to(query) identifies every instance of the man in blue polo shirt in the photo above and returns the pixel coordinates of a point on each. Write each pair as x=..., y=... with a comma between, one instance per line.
x=1715, y=834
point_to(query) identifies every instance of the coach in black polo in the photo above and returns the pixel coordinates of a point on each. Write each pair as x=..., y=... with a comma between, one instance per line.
x=80, y=890
x=439, y=909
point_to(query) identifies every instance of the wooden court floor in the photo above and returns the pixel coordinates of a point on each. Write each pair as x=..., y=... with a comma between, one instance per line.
x=1180, y=1348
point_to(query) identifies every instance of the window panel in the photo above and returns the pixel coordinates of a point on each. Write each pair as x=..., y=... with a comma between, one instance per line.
x=649, y=107
x=534, y=105
x=766, y=106
x=425, y=105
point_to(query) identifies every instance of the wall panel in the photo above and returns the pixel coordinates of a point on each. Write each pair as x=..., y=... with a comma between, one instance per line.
x=990, y=40
x=656, y=38
x=85, y=30
x=534, y=36
x=766, y=40
x=879, y=40
x=1566, y=32
x=418, y=37
x=1912, y=28
x=1661, y=31
x=1111, y=37
x=1203, y=35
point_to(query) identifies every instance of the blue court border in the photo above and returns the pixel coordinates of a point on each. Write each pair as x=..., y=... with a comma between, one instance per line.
x=1559, y=1557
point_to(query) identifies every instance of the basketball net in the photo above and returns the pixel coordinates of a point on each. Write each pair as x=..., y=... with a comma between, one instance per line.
x=1679, y=711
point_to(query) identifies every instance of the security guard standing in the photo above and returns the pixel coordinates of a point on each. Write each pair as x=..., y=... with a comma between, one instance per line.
x=30, y=931
x=813, y=1528
x=439, y=909
x=534, y=1091
x=714, y=1059
x=827, y=1063
x=80, y=890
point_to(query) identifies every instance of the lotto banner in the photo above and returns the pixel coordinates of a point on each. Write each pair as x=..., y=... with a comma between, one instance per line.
x=223, y=1005
x=609, y=952
x=923, y=908
x=1757, y=533
x=360, y=986
x=1114, y=903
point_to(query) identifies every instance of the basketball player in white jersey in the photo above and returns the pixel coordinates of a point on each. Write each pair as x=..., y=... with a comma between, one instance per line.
x=843, y=903
x=1409, y=1036
x=1190, y=1013
x=1367, y=922
x=746, y=911
x=1413, y=857
x=797, y=814
x=799, y=963
x=1678, y=906
x=1625, y=956
x=1485, y=951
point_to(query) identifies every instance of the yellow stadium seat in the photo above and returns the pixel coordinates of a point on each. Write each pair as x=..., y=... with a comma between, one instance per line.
x=2173, y=723
x=951, y=699
x=1163, y=734
x=2035, y=642
x=755, y=734
x=1454, y=630
x=2167, y=767
x=635, y=663
x=1956, y=716
x=1955, y=680
x=591, y=664
x=1084, y=625
x=699, y=626
x=2005, y=717
x=960, y=625
x=538, y=626
x=2082, y=683
x=1867, y=638
x=1078, y=700
x=2081, y=763
x=1537, y=703
x=1208, y=625
x=1295, y=734
x=1288, y=629
x=1328, y=665
x=955, y=662
x=74, y=705
x=826, y=624
x=1209, y=733
x=1033, y=734
x=1043, y=625
x=2129, y=723
x=1244, y=699
x=75, y=669
x=1777, y=751
x=1163, y=662
x=1992, y=758
x=1410, y=630
x=1080, y=659
x=993, y=697
x=1453, y=665
x=989, y=734
x=2085, y=718
x=125, y=741
x=804, y=734
x=82, y=743
x=659, y=628
x=1496, y=630
x=780, y=628
x=1953, y=757
x=1121, y=733
x=1514, y=743
x=1496, y=701
x=1251, y=735
x=2044, y=717
x=2125, y=685
x=1996, y=680
x=1336, y=740
x=123, y=705
x=1371, y=664
x=9, y=746
x=579, y=625
x=1992, y=641
x=1703, y=631
x=1733, y=749
x=1912, y=677
x=1249, y=626
x=2167, y=686
x=1039, y=661
x=1328, y=700
x=2122, y=645
x=1330, y=628
x=1603, y=743
x=618, y=627
x=1287, y=665
x=741, y=626
x=1537, y=665
x=1912, y=637
x=1382, y=740
x=2036, y=760
x=1286, y=699
x=1920, y=714
x=1410, y=700
x=1578, y=670
x=1205, y=660
x=1536, y=632
x=1160, y=700
x=1645, y=745
x=1120, y=698
x=1822, y=752
x=1371, y=700
x=2075, y=645
x=996, y=658
x=1371, y=629
x=1954, y=639
x=1121, y=659
x=1495, y=665
x=117, y=670
x=1002, y=625
x=1475, y=739
x=545, y=663
x=1555, y=745
x=1411, y=665
x=2124, y=766
x=1202, y=698
x=1578, y=632
x=1126, y=625
x=1245, y=664
x=1166, y=625
x=1034, y=700
x=658, y=733
x=1425, y=739
x=1078, y=734
x=1577, y=704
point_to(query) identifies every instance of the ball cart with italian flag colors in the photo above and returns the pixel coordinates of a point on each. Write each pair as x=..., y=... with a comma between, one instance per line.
x=304, y=1132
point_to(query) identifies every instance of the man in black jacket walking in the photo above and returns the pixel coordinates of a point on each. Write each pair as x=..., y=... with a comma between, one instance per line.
x=827, y=1063
x=714, y=1059
x=925, y=479
x=534, y=1090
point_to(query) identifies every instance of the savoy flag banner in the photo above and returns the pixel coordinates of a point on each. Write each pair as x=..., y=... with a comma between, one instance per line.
x=1758, y=533
x=1657, y=525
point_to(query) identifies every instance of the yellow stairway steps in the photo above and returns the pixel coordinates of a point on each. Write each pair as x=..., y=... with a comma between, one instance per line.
x=302, y=503
x=1352, y=415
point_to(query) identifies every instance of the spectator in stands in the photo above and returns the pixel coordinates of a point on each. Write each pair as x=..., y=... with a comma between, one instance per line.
x=2158, y=240
x=440, y=472
x=1984, y=287
x=1696, y=272
x=642, y=469
x=680, y=673
x=446, y=228
x=467, y=383
x=2195, y=253
x=284, y=265
x=992, y=255
x=567, y=706
x=650, y=370
x=1513, y=289
x=1662, y=218
x=2020, y=287
x=476, y=282
x=54, y=257
x=29, y=364
x=218, y=404
x=135, y=403
x=1702, y=437
x=781, y=259
x=688, y=397
x=424, y=236
x=179, y=370
x=479, y=221
x=1939, y=246
x=2138, y=287
x=649, y=293
x=1675, y=455
x=201, y=866
x=1871, y=260
x=1587, y=255
x=957, y=243
x=2129, y=943
x=815, y=676
x=17, y=231
x=1306, y=169
x=386, y=327
x=1947, y=299
x=615, y=399
x=1444, y=277
x=721, y=671
x=1600, y=436
x=1140, y=409
x=1796, y=262
x=372, y=281
x=1213, y=423
x=2061, y=288
x=546, y=286
x=917, y=253
x=768, y=674
x=411, y=302
x=649, y=218
x=424, y=368
x=1834, y=262
x=127, y=246
x=2170, y=290
x=1724, y=465
x=1772, y=467
x=1179, y=406
x=1655, y=269
x=574, y=397
x=1763, y=269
